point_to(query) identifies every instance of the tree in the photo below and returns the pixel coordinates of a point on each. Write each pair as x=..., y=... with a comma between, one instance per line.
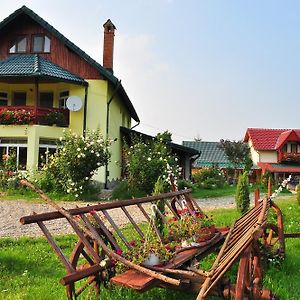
x=237, y=153
x=242, y=196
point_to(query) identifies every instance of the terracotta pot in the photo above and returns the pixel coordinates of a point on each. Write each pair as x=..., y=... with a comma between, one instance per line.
x=205, y=234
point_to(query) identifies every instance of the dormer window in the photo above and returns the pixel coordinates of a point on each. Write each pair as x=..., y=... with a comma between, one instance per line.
x=41, y=43
x=19, y=45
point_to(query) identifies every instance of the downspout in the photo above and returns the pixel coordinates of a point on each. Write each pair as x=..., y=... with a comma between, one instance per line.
x=85, y=110
x=107, y=124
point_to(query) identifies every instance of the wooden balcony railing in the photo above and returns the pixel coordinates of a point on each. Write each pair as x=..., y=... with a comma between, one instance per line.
x=289, y=156
x=38, y=115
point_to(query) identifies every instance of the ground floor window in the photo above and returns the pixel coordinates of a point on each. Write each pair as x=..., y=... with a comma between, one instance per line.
x=46, y=148
x=15, y=148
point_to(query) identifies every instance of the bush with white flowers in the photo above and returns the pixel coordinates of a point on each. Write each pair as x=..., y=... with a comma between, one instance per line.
x=147, y=160
x=77, y=159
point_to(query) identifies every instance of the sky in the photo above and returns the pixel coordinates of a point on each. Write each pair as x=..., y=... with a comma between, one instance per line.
x=199, y=69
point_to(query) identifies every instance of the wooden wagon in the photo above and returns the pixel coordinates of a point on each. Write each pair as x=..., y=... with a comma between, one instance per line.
x=101, y=241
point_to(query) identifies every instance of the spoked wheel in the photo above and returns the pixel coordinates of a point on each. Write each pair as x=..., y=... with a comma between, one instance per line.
x=80, y=260
x=249, y=278
x=272, y=240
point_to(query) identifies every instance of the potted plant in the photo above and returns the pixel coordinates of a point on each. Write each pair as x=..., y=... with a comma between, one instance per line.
x=55, y=118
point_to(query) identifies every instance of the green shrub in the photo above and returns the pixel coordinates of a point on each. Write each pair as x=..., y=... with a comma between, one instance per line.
x=145, y=161
x=182, y=184
x=242, y=196
x=122, y=191
x=77, y=159
x=209, y=178
x=298, y=193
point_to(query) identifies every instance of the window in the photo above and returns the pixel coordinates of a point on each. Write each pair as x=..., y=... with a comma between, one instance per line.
x=19, y=45
x=46, y=148
x=63, y=96
x=46, y=99
x=41, y=43
x=294, y=148
x=3, y=98
x=19, y=98
x=17, y=148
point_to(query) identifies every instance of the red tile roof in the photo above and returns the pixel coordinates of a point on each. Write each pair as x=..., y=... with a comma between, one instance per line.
x=268, y=139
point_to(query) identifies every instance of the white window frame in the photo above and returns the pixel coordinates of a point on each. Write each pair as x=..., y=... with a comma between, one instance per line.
x=63, y=99
x=14, y=145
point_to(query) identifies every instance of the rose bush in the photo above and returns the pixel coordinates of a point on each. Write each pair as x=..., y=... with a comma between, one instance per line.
x=77, y=159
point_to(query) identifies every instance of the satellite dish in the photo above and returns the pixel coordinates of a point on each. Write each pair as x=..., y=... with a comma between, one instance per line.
x=74, y=103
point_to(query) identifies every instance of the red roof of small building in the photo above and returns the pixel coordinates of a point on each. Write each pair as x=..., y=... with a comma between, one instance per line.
x=268, y=139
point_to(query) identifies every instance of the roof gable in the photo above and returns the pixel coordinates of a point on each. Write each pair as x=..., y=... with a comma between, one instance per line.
x=268, y=139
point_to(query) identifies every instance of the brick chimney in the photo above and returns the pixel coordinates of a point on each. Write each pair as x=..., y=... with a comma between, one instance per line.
x=108, y=45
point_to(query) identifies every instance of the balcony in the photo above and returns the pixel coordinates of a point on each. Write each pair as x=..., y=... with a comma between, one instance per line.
x=25, y=115
x=288, y=157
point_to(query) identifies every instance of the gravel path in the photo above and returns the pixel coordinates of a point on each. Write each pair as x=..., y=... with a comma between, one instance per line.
x=11, y=211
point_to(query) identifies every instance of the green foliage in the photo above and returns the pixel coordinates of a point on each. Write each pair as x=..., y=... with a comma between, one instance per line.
x=209, y=178
x=77, y=159
x=182, y=184
x=55, y=117
x=122, y=191
x=265, y=179
x=298, y=194
x=237, y=152
x=147, y=160
x=242, y=196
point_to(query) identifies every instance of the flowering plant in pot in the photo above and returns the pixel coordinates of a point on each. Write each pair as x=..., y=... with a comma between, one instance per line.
x=190, y=227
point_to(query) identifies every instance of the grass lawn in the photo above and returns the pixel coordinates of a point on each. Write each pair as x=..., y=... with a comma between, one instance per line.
x=29, y=269
x=214, y=193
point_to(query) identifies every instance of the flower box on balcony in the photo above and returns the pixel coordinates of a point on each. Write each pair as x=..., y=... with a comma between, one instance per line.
x=16, y=117
x=55, y=118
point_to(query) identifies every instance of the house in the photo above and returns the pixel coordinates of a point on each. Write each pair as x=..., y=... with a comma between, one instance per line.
x=275, y=150
x=46, y=79
x=186, y=155
x=212, y=155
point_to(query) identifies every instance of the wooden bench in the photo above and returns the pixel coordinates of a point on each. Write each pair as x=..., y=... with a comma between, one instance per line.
x=98, y=248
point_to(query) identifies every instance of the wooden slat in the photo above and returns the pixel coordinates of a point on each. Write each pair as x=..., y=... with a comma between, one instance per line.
x=97, y=207
x=116, y=228
x=136, y=227
x=107, y=233
x=56, y=248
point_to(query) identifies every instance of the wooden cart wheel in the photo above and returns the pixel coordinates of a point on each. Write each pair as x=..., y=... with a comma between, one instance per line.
x=249, y=277
x=271, y=239
x=80, y=259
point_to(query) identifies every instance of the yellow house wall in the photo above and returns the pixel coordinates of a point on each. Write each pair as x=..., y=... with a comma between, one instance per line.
x=99, y=93
x=254, y=153
x=119, y=116
x=268, y=156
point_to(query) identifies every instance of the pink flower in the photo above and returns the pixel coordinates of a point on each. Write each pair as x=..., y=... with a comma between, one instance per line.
x=119, y=252
x=168, y=247
x=93, y=211
x=132, y=243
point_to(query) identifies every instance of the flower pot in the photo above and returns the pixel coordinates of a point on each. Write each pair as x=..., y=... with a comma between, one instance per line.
x=205, y=234
x=152, y=260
